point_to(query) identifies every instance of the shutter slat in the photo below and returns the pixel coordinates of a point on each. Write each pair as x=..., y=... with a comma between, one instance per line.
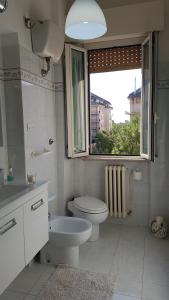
x=114, y=59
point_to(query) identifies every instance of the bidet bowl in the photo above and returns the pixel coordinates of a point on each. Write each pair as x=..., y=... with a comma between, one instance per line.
x=68, y=231
x=66, y=234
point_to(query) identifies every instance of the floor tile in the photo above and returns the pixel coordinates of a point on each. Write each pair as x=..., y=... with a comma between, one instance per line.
x=123, y=297
x=129, y=287
x=156, y=272
x=137, y=261
x=156, y=249
x=40, y=282
x=120, y=268
x=9, y=295
x=30, y=297
x=155, y=292
x=27, y=278
x=99, y=258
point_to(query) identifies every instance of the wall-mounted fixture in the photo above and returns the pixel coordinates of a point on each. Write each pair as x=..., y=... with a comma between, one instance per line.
x=51, y=141
x=137, y=175
x=3, y=5
x=42, y=152
x=85, y=20
x=47, y=41
x=44, y=72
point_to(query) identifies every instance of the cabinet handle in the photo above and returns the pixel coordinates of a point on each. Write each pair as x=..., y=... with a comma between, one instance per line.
x=7, y=226
x=36, y=205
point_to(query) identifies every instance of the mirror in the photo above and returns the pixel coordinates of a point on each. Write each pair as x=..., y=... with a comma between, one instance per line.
x=1, y=133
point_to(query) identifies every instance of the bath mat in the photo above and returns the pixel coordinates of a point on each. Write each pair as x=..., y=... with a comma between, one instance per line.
x=68, y=283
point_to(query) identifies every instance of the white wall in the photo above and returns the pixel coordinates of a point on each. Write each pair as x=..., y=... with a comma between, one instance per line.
x=12, y=20
x=65, y=167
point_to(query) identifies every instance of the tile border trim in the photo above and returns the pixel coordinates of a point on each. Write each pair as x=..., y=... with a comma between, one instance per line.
x=23, y=75
x=27, y=76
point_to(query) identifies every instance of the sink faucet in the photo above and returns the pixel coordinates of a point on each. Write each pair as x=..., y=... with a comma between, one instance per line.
x=1, y=177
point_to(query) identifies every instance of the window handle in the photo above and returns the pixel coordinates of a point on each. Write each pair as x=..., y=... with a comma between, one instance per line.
x=156, y=118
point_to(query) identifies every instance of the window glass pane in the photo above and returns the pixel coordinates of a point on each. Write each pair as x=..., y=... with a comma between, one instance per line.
x=115, y=106
x=146, y=90
x=79, y=113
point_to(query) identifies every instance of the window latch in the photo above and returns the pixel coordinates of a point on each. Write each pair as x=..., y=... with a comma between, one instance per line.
x=156, y=118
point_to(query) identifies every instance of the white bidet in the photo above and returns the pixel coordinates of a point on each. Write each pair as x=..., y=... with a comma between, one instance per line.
x=66, y=234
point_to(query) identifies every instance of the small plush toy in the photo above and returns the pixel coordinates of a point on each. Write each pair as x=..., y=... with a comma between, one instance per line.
x=159, y=227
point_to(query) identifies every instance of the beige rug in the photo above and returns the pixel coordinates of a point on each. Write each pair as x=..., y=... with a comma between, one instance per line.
x=68, y=283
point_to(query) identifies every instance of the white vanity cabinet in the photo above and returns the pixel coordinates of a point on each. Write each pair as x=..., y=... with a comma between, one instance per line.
x=23, y=231
x=12, y=259
x=35, y=225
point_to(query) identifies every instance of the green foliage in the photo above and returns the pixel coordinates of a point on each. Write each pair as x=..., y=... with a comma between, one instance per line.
x=122, y=139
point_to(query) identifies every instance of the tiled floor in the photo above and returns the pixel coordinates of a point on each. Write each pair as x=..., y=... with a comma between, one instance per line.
x=139, y=262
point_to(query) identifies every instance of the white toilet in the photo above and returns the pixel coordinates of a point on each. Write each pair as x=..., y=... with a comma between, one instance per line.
x=66, y=234
x=92, y=209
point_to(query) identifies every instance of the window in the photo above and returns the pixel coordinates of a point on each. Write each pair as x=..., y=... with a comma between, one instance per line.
x=101, y=132
x=113, y=74
x=77, y=101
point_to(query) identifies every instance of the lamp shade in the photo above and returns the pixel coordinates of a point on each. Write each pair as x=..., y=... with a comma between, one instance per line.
x=85, y=20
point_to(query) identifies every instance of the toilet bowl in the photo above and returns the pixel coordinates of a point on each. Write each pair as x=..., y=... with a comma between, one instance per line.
x=66, y=234
x=91, y=209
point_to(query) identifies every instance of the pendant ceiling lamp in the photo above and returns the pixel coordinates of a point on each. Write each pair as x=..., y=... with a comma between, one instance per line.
x=85, y=20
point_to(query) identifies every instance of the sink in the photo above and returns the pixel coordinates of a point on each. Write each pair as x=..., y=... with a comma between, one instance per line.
x=8, y=191
x=11, y=192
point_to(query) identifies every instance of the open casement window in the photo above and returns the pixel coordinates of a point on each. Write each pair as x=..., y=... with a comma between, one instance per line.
x=77, y=98
x=77, y=101
x=148, y=95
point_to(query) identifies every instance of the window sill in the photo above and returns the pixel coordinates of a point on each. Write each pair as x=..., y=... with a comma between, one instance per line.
x=115, y=158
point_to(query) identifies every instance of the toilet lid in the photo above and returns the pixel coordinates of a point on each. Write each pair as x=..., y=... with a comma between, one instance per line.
x=90, y=204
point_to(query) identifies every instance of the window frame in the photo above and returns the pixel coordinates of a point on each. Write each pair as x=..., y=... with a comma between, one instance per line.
x=69, y=102
x=87, y=154
x=151, y=99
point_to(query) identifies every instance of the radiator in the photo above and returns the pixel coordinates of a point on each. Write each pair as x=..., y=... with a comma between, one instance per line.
x=116, y=190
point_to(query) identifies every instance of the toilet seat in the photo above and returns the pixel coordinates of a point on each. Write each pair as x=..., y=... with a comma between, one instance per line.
x=90, y=205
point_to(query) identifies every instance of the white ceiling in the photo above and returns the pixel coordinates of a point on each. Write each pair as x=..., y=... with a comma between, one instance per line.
x=112, y=3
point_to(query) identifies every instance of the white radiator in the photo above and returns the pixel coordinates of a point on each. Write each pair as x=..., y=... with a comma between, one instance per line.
x=116, y=190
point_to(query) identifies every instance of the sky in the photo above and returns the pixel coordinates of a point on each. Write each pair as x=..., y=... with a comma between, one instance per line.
x=115, y=88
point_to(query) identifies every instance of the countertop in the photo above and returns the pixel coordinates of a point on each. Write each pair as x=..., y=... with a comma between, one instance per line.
x=21, y=194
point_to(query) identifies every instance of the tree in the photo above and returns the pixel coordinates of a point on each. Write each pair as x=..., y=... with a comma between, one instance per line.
x=122, y=139
x=104, y=142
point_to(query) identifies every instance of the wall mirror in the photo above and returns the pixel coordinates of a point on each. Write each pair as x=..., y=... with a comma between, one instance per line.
x=1, y=132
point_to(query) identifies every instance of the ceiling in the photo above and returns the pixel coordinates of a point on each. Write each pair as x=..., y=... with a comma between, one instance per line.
x=112, y=3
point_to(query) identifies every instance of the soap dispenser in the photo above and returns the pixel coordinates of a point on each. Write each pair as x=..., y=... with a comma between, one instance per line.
x=10, y=176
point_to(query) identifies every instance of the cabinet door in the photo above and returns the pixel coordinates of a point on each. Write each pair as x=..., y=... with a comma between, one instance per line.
x=35, y=225
x=11, y=247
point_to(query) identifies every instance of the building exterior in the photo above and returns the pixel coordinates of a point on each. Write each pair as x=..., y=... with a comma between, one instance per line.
x=135, y=103
x=100, y=115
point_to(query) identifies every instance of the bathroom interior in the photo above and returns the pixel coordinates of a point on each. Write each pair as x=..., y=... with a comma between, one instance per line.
x=34, y=118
